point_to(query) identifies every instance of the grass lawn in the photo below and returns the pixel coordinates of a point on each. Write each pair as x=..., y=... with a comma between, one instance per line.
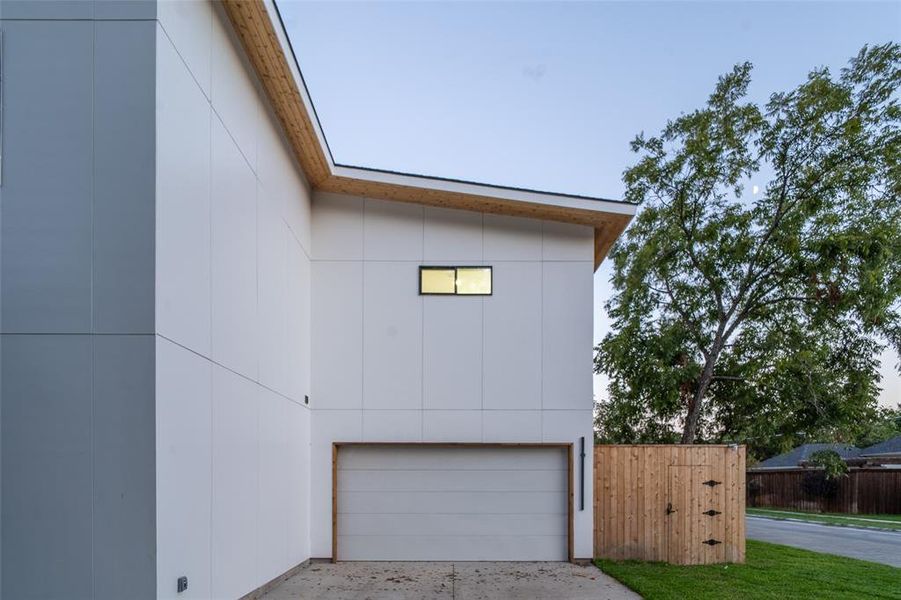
x=771, y=571
x=846, y=520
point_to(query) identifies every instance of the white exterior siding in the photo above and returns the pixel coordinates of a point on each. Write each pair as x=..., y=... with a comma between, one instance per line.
x=183, y=466
x=391, y=365
x=512, y=338
x=567, y=294
x=233, y=320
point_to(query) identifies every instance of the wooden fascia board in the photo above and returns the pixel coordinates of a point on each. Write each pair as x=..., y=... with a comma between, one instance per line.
x=254, y=26
x=605, y=236
x=473, y=202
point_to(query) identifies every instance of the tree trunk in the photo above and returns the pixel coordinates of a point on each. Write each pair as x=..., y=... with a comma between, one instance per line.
x=690, y=432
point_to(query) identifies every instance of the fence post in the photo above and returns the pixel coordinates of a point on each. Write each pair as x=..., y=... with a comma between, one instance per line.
x=854, y=485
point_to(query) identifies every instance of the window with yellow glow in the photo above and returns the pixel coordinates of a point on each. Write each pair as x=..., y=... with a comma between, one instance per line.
x=474, y=281
x=437, y=280
x=460, y=281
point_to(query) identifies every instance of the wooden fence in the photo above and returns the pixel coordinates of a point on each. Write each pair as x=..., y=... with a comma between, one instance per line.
x=679, y=504
x=863, y=491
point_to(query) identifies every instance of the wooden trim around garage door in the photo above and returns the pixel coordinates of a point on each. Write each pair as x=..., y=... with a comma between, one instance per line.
x=561, y=445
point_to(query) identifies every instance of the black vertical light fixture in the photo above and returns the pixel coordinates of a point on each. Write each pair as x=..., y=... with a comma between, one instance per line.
x=582, y=473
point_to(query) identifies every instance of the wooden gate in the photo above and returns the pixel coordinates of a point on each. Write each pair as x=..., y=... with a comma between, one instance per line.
x=678, y=504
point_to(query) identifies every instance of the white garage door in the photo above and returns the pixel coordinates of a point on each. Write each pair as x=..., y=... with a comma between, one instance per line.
x=452, y=503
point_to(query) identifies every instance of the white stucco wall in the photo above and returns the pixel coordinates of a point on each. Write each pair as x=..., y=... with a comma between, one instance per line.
x=391, y=365
x=232, y=319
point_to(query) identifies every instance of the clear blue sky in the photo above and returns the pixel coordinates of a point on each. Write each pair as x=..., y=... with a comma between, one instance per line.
x=547, y=95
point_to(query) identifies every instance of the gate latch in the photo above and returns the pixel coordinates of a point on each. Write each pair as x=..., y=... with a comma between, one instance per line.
x=711, y=512
x=711, y=542
x=712, y=483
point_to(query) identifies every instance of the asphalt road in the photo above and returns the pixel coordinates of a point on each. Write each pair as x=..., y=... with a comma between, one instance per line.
x=865, y=544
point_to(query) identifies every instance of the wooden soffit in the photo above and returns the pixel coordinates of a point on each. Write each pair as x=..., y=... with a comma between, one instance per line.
x=257, y=25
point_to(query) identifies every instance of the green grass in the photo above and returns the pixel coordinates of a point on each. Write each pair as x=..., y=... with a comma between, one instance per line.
x=844, y=520
x=771, y=572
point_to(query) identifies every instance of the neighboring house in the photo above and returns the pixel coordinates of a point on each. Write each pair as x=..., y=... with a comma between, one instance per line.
x=794, y=458
x=871, y=486
x=198, y=302
x=887, y=453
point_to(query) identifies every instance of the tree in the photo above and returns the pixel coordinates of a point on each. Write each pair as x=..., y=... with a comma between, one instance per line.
x=830, y=462
x=885, y=425
x=823, y=482
x=761, y=315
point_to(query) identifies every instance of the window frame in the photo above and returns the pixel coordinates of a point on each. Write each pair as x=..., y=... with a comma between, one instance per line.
x=454, y=268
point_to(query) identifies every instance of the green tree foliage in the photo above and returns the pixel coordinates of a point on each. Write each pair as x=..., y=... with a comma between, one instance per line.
x=832, y=464
x=885, y=425
x=759, y=317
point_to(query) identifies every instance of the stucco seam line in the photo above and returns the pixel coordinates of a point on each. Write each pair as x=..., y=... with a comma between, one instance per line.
x=93, y=354
x=230, y=370
x=182, y=59
x=362, y=314
x=422, y=306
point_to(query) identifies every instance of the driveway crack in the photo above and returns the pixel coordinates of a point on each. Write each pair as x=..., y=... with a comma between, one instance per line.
x=453, y=581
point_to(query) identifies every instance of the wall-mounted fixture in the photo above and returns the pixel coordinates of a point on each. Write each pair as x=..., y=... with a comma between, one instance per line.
x=455, y=281
x=582, y=473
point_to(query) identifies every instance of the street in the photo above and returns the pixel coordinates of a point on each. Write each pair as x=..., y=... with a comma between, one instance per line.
x=865, y=544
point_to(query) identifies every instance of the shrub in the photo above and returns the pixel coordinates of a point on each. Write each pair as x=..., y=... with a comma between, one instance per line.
x=816, y=485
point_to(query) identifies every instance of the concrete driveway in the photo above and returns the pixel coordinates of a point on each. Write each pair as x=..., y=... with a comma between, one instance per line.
x=865, y=544
x=449, y=580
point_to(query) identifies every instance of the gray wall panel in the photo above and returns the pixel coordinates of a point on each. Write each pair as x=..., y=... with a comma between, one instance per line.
x=124, y=456
x=128, y=9
x=77, y=220
x=46, y=468
x=47, y=170
x=78, y=9
x=46, y=9
x=124, y=176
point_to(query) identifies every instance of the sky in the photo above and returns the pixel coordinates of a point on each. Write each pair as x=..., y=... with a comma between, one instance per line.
x=548, y=95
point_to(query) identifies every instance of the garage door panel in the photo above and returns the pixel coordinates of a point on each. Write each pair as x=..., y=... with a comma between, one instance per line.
x=355, y=480
x=425, y=547
x=452, y=458
x=419, y=502
x=449, y=502
x=451, y=524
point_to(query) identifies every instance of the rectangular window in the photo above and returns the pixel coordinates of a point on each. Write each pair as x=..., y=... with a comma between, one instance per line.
x=460, y=281
x=435, y=280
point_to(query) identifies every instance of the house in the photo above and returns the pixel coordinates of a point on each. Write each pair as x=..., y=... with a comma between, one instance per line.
x=224, y=354
x=794, y=458
x=887, y=453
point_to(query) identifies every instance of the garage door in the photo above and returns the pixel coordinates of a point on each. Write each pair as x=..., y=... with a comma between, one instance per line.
x=420, y=502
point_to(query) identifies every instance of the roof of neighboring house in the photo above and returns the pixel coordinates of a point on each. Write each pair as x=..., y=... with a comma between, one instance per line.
x=262, y=34
x=793, y=457
x=889, y=446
